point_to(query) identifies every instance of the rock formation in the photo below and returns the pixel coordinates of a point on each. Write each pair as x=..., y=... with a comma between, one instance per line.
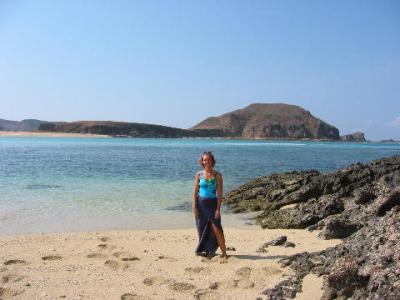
x=266, y=121
x=353, y=137
x=359, y=204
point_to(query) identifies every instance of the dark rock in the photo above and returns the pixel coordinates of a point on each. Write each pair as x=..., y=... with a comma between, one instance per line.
x=276, y=242
x=359, y=203
x=363, y=196
x=289, y=244
x=337, y=228
x=387, y=203
x=261, y=250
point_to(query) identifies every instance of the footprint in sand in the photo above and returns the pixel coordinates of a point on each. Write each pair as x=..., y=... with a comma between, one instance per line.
x=134, y=297
x=52, y=257
x=194, y=270
x=116, y=265
x=167, y=258
x=243, y=272
x=96, y=255
x=125, y=256
x=107, y=247
x=11, y=278
x=271, y=270
x=242, y=276
x=245, y=284
x=242, y=283
x=206, y=295
x=9, y=293
x=15, y=262
x=240, y=280
x=181, y=286
x=156, y=280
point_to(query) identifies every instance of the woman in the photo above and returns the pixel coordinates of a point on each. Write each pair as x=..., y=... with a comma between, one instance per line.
x=207, y=199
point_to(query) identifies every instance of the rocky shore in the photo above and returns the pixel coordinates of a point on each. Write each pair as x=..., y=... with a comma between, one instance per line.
x=359, y=204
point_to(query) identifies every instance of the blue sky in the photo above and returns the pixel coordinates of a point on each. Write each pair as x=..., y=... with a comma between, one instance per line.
x=175, y=63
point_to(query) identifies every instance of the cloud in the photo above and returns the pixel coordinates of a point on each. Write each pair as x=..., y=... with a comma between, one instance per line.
x=395, y=123
x=370, y=123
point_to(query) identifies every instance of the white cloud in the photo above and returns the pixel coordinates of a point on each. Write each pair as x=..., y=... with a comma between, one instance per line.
x=395, y=123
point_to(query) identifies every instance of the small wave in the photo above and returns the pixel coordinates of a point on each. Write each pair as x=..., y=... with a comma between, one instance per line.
x=262, y=144
x=42, y=186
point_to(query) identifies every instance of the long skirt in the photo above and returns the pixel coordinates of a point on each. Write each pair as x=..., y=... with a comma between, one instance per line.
x=207, y=240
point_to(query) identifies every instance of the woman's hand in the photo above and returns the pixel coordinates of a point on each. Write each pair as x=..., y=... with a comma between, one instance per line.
x=217, y=214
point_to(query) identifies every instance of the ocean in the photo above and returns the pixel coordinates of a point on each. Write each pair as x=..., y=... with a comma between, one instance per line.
x=82, y=184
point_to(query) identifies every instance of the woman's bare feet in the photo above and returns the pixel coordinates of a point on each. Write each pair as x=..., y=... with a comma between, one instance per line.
x=223, y=258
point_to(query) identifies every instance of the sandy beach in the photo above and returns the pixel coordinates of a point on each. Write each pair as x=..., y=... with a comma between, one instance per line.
x=47, y=134
x=148, y=264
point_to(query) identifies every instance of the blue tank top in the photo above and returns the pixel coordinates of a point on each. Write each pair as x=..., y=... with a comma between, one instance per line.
x=208, y=187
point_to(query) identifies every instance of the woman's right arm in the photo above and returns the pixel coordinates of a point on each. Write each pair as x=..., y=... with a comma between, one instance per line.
x=195, y=195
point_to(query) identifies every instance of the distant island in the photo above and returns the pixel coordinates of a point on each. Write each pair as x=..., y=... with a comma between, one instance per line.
x=256, y=121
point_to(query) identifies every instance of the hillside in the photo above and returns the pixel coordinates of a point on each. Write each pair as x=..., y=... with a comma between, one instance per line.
x=116, y=129
x=24, y=125
x=273, y=120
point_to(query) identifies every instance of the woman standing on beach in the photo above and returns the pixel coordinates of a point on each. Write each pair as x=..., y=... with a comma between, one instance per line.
x=207, y=199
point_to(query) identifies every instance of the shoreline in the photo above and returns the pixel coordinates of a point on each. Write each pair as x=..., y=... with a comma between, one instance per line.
x=49, y=134
x=148, y=264
x=7, y=133
x=181, y=221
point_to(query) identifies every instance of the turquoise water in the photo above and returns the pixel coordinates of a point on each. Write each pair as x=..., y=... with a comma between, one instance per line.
x=60, y=184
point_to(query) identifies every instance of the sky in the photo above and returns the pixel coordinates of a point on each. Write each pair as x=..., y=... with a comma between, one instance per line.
x=175, y=63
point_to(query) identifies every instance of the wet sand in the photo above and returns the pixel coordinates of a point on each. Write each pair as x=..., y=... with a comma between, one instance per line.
x=148, y=264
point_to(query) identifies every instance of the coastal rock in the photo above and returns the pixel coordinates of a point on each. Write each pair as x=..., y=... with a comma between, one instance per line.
x=363, y=196
x=337, y=228
x=359, y=204
x=353, y=137
x=276, y=242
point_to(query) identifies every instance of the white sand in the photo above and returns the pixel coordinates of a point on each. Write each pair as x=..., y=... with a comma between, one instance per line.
x=47, y=134
x=142, y=264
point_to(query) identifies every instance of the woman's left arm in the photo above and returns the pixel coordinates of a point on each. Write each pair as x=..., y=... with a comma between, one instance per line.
x=219, y=195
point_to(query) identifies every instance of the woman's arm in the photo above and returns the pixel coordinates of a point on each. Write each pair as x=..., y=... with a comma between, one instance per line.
x=195, y=195
x=219, y=195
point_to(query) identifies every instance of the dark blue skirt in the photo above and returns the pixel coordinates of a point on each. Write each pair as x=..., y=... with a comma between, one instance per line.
x=207, y=240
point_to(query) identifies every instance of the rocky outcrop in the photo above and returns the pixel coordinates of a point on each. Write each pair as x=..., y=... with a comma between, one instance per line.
x=353, y=137
x=272, y=120
x=117, y=129
x=24, y=125
x=359, y=204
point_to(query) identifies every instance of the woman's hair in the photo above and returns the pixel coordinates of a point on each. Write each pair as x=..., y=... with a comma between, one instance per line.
x=207, y=153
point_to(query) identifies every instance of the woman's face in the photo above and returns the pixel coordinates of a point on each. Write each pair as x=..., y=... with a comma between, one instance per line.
x=207, y=161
